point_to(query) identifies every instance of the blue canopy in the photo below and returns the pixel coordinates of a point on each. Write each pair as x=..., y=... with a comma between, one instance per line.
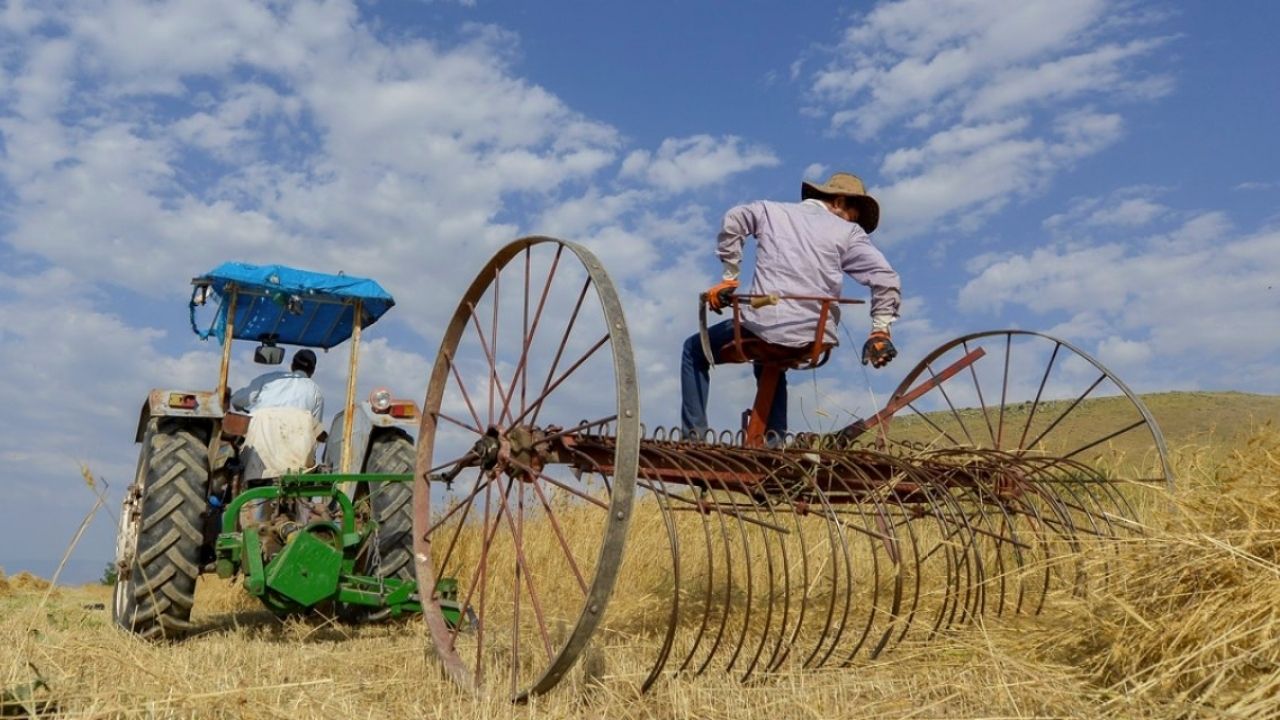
x=289, y=306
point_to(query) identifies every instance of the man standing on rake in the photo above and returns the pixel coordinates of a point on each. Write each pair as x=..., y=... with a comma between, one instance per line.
x=803, y=248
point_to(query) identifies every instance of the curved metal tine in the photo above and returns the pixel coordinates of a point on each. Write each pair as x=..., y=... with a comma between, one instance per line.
x=982, y=402
x=1058, y=529
x=1022, y=442
x=1007, y=534
x=924, y=487
x=715, y=459
x=986, y=498
x=840, y=564
x=662, y=499
x=1038, y=579
x=982, y=498
x=880, y=536
x=767, y=536
x=973, y=602
x=888, y=504
x=936, y=532
x=787, y=638
x=690, y=467
x=1075, y=487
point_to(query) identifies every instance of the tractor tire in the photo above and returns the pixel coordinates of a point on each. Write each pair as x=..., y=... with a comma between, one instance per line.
x=158, y=552
x=392, y=503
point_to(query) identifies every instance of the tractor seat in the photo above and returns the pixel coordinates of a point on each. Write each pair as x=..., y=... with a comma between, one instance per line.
x=753, y=349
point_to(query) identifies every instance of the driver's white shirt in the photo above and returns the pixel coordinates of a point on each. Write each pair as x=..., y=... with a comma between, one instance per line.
x=282, y=388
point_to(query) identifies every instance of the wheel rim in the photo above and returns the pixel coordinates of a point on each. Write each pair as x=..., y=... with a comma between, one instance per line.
x=534, y=548
x=1026, y=396
x=126, y=551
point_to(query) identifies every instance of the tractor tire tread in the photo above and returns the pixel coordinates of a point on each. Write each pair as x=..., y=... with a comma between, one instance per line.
x=167, y=560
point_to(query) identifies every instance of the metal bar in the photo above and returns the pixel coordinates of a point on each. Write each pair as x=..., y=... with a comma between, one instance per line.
x=897, y=403
x=224, y=369
x=348, y=420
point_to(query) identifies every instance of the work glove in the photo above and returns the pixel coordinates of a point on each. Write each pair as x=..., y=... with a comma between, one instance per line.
x=720, y=295
x=878, y=349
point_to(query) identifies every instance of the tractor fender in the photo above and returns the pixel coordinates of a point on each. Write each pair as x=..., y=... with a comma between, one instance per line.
x=167, y=402
x=366, y=423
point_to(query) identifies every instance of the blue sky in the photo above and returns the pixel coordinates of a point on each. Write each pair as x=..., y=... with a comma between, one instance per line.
x=1101, y=169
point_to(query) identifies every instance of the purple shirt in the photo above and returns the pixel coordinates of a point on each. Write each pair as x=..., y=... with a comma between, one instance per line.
x=804, y=249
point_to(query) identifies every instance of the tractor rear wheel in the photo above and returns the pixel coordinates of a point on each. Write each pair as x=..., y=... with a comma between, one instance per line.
x=158, y=551
x=392, y=503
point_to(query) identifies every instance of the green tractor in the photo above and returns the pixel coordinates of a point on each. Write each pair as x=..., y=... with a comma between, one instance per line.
x=335, y=535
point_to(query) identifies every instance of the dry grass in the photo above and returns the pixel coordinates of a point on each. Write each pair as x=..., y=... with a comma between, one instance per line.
x=1187, y=625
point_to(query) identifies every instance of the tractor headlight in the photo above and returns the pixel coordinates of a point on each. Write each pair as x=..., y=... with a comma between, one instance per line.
x=380, y=400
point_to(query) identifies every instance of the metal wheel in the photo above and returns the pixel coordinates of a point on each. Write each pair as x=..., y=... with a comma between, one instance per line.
x=1031, y=394
x=537, y=342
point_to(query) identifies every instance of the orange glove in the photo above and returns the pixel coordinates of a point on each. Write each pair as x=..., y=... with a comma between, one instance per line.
x=878, y=349
x=719, y=295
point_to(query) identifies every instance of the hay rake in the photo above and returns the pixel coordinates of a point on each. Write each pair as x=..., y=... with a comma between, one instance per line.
x=668, y=555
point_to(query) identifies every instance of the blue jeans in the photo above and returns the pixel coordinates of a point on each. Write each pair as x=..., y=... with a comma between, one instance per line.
x=695, y=383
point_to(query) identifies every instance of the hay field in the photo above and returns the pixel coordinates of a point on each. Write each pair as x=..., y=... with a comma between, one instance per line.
x=1186, y=624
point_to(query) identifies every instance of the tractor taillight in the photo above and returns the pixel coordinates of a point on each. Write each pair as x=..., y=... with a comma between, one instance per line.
x=182, y=401
x=404, y=410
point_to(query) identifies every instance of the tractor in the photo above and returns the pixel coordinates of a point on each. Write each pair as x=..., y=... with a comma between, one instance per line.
x=333, y=536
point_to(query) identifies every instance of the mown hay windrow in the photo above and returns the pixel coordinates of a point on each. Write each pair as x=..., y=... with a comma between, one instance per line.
x=1190, y=616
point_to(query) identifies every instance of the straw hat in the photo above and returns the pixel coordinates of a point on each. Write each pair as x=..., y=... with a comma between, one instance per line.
x=849, y=186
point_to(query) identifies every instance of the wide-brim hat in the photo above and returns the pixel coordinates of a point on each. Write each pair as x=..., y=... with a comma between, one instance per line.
x=850, y=186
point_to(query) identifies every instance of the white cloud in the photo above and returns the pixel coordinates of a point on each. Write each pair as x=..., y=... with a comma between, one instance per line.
x=983, y=102
x=962, y=176
x=1196, y=291
x=970, y=58
x=682, y=164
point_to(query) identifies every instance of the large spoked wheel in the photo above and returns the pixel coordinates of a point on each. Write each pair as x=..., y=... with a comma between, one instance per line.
x=158, y=543
x=531, y=537
x=1030, y=394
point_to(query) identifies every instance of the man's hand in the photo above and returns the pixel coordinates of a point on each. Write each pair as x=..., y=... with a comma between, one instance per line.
x=719, y=295
x=878, y=350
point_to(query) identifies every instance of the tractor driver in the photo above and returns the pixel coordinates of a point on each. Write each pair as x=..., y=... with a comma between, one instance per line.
x=803, y=248
x=278, y=388
x=286, y=410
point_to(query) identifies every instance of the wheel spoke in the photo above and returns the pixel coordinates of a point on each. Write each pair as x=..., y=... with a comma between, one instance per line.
x=982, y=403
x=523, y=567
x=1099, y=441
x=453, y=369
x=546, y=391
x=564, y=339
x=1067, y=412
x=555, y=526
x=1022, y=443
x=942, y=389
x=567, y=488
x=1004, y=388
